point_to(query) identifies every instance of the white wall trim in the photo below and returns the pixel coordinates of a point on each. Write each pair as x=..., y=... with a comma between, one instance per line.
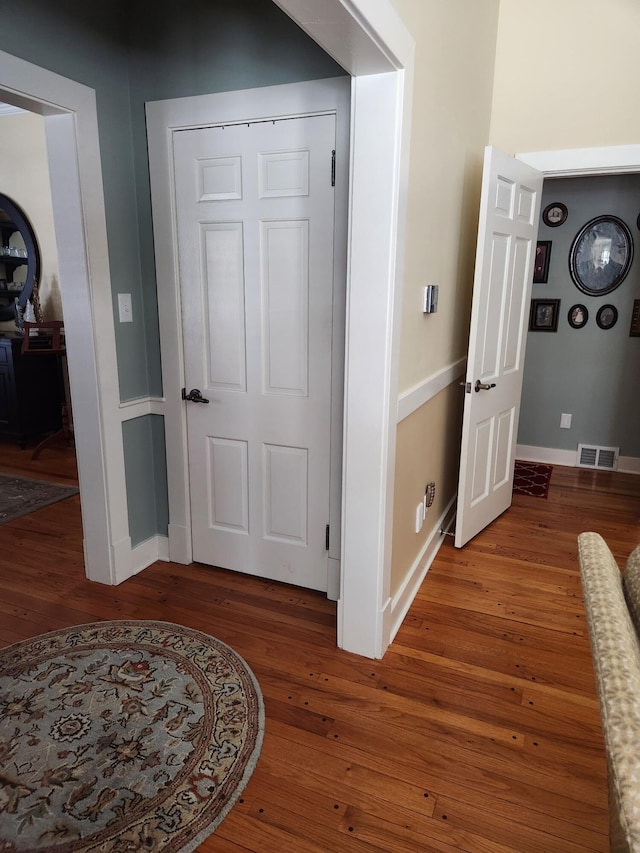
x=546, y=455
x=584, y=161
x=132, y=560
x=569, y=458
x=364, y=36
x=629, y=464
x=71, y=127
x=397, y=607
x=413, y=399
x=141, y=406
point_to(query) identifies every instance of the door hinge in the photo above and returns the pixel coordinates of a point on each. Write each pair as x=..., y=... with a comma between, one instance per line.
x=333, y=168
x=326, y=538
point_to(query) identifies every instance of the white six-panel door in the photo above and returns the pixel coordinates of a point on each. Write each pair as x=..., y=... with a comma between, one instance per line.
x=255, y=214
x=507, y=233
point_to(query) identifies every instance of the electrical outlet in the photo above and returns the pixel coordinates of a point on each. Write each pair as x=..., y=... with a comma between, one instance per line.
x=565, y=421
x=419, y=516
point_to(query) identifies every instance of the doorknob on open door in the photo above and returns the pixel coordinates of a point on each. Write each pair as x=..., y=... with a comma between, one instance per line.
x=194, y=396
x=484, y=386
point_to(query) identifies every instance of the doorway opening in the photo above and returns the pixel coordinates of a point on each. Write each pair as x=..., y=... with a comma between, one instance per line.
x=601, y=359
x=80, y=234
x=39, y=387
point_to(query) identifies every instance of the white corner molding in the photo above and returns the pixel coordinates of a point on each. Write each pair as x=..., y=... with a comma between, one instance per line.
x=571, y=162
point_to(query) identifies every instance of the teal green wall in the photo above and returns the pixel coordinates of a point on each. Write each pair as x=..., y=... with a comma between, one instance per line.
x=132, y=52
x=144, y=446
x=207, y=47
x=590, y=373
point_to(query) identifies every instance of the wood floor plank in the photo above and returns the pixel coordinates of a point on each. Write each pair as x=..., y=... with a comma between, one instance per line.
x=479, y=731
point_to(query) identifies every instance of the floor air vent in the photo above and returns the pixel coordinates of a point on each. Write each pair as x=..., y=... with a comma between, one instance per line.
x=603, y=458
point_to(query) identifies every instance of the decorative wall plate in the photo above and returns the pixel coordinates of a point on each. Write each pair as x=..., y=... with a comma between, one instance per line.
x=555, y=214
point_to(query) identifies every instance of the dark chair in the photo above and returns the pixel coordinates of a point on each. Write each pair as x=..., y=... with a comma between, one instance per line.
x=47, y=338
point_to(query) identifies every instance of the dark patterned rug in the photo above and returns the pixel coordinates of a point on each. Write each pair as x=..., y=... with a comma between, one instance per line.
x=121, y=737
x=21, y=495
x=531, y=478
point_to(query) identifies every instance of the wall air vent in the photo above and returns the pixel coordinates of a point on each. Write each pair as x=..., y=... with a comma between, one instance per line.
x=602, y=458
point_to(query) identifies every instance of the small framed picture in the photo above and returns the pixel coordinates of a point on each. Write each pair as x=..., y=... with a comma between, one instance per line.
x=555, y=214
x=541, y=262
x=607, y=316
x=544, y=315
x=578, y=316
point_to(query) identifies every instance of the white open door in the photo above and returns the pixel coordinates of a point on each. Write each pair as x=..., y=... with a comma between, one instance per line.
x=507, y=233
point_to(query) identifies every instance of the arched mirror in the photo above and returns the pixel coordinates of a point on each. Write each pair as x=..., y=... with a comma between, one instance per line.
x=19, y=258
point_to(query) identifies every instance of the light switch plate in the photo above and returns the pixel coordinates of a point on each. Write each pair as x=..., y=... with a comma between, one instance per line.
x=565, y=421
x=125, y=310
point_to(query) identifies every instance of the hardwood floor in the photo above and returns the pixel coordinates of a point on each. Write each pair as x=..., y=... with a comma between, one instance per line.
x=480, y=729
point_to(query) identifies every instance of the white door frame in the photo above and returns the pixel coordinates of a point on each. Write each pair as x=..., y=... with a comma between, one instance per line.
x=372, y=44
x=164, y=118
x=583, y=162
x=71, y=127
x=369, y=40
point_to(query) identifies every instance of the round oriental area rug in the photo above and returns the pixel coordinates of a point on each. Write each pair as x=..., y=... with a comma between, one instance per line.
x=123, y=736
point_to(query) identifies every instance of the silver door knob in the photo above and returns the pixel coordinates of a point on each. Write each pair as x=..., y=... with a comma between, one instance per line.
x=484, y=386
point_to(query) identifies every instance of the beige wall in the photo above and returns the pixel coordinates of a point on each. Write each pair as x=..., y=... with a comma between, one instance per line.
x=24, y=177
x=428, y=451
x=455, y=46
x=566, y=75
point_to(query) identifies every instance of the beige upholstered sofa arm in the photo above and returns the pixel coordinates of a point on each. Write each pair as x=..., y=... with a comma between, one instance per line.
x=616, y=659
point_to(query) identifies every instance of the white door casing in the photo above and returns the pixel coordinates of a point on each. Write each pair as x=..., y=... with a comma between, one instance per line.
x=507, y=232
x=255, y=217
x=370, y=41
x=71, y=127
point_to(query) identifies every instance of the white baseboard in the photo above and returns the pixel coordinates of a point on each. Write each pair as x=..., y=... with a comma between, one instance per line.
x=130, y=561
x=553, y=456
x=546, y=455
x=180, y=544
x=629, y=464
x=398, y=606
